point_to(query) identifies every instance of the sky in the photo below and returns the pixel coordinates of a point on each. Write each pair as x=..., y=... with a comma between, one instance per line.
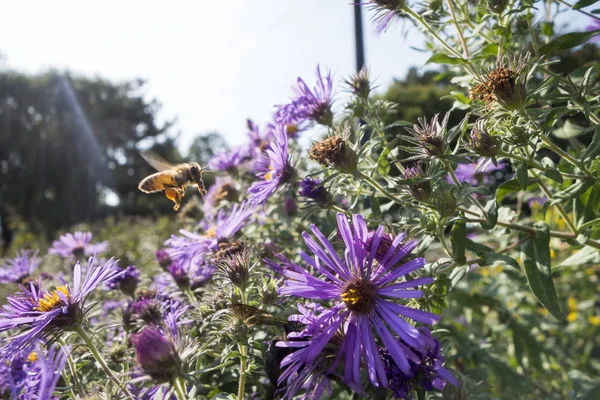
x=212, y=64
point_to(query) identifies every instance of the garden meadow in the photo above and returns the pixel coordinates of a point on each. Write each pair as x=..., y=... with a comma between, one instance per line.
x=440, y=257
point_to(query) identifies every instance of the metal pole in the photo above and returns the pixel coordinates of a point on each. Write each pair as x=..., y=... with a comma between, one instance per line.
x=358, y=37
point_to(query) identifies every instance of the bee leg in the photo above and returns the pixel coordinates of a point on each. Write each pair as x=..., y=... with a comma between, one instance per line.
x=201, y=188
x=174, y=194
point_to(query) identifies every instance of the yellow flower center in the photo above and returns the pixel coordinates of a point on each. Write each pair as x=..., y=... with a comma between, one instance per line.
x=32, y=357
x=269, y=175
x=52, y=299
x=211, y=232
x=359, y=296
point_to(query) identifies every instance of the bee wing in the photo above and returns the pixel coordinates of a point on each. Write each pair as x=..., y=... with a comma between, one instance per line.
x=157, y=162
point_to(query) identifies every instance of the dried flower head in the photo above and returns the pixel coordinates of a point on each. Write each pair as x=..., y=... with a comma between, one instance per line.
x=428, y=137
x=504, y=85
x=335, y=151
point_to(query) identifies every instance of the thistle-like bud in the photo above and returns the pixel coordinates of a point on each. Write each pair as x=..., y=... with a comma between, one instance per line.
x=420, y=189
x=428, y=137
x=428, y=223
x=233, y=262
x=482, y=143
x=497, y=6
x=157, y=355
x=335, y=151
x=269, y=293
x=359, y=83
x=505, y=85
x=117, y=353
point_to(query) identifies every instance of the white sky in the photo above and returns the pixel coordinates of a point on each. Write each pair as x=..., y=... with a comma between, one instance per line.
x=211, y=63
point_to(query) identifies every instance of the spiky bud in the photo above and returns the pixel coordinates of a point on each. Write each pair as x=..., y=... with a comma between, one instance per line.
x=420, y=189
x=335, y=151
x=481, y=142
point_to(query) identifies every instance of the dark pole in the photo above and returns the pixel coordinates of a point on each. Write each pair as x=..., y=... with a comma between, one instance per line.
x=358, y=37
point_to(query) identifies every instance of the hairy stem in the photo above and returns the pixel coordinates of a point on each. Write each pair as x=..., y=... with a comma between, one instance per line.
x=180, y=390
x=458, y=29
x=559, y=207
x=92, y=347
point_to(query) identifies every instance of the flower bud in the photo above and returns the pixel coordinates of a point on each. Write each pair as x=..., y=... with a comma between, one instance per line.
x=233, y=261
x=179, y=274
x=156, y=354
x=163, y=258
x=315, y=191
x=444, y=202
x=428, y=137
x=359, y=83
x=482, y=143
x=419, y=190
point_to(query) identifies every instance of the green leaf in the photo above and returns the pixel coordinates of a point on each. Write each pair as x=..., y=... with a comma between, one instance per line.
x=383, y=166
x=523, y=176
x=593, y=148
x=569, y=130
x=551, y=171
x=478, y=248
x=583, y=3
x=491, y=208
x=587, y=255
x=570, y=193
x=444, y=59
x=398, y=124
x=535, y=254
x=510, y=186
x=567, y=41
x=456, y=159
x=493, y=259
x=458, y=237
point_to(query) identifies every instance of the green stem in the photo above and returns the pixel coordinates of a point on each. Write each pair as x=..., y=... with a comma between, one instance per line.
x=552, y=146
x=444, y=243
x=179, y=389
x=72, y=369
x=559, y=207
x=581, y=11
x=432, y=32
x=375, y=185
x=457, y=182
x=460, y=34
x=92, y=347
x=243, y=349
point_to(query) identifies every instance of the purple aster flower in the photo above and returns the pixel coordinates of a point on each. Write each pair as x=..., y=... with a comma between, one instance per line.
x=224, y=189
x=426, y=368
x=313, y=376
x=537, y=200
x=44, y=373
x=308, y=105
x=366, y=290
x=13, y=373
x=474, y=174
x=314, y=190
x=19, y=269
x=190, y=250
x=274, y=169
x=385, y=12
x=156, y=354
x=40, y=315
x=229, y=161
x=75, y=245
x=259, y=141
x=161, y=283
x=163, y=258
x=594, y=26
x=155, y=309
x=127, y=281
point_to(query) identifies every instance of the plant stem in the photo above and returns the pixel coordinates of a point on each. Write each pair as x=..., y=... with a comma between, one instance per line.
x=243, y=349
x=559, y=207
x=373, y=183
x=460, y=34
x=179, y=389
x=456, y=182
x=432, y=32
x=72, y=368
x=552, y=146
x=92, y=347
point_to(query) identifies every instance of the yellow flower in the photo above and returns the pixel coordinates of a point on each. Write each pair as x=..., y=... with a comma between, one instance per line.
x=594, y=320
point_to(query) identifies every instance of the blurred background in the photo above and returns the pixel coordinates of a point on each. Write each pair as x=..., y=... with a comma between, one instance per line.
x=84, y=88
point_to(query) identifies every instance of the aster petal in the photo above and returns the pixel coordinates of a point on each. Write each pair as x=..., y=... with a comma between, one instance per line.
x=375, y=367
x=401, y=294
x=393, y=346
x=402, y=328
x=373, y=250
x=406, y=268
x=416, y=315
x=341, y=268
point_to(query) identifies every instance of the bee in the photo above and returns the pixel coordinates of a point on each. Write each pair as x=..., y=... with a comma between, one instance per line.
x=172, y=179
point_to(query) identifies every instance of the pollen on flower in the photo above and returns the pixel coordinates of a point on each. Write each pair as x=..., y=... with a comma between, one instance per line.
x=359, y=295
x=211, y=232
x=32, y=357
x=269, y=175
x=52, y=299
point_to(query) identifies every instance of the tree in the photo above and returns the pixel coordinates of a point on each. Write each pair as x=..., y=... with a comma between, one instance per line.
x=66, y=141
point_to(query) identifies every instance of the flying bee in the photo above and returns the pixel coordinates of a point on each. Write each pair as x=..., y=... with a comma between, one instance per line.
x=172, y=179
